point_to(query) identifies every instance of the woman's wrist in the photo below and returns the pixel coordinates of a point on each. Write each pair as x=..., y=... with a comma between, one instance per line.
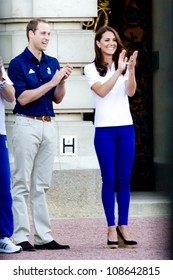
x=119, y=71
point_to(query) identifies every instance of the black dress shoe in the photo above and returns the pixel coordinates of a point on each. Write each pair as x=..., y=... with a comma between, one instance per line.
x=53, y=245
x=26, y=246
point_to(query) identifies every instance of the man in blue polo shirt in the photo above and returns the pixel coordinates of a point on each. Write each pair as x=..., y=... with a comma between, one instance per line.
x=38, y=82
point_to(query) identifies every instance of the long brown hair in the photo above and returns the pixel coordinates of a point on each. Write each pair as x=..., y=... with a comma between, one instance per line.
x=99, y=62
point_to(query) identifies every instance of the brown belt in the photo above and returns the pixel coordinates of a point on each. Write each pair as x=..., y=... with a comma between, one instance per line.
x=41, y=118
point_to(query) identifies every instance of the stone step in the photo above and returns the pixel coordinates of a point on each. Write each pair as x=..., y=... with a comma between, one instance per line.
x=76, y=193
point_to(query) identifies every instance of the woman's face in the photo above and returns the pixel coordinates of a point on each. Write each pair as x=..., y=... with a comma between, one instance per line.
x=108, y=43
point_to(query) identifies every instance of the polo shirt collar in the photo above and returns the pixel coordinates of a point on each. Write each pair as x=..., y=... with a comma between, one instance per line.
x=30, y=55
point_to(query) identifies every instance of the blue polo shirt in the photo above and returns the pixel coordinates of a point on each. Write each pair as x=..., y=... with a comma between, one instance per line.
x=26, y=72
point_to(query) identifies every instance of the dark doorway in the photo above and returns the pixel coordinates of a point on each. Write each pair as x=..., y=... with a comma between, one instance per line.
x=133, y=21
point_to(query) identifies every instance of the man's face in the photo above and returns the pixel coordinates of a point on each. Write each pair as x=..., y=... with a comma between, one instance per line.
x=40, y=38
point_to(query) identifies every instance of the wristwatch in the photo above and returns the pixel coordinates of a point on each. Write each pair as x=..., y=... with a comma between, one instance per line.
x=2, y=84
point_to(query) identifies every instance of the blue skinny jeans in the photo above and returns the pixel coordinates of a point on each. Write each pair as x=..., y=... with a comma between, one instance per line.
x=115, y=148
x=6, y=215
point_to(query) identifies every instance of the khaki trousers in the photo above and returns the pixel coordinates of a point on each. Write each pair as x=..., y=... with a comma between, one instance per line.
x=34, y=143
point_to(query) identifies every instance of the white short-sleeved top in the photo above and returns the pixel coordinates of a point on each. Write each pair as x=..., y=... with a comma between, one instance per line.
x=2, y=106
x=113, y=109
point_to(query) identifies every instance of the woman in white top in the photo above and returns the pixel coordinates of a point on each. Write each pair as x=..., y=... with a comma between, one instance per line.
x=111, y=78
x=6, y=215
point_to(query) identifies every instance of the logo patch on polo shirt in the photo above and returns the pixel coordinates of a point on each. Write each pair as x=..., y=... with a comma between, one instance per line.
x=31, y=71
x=48, y=70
